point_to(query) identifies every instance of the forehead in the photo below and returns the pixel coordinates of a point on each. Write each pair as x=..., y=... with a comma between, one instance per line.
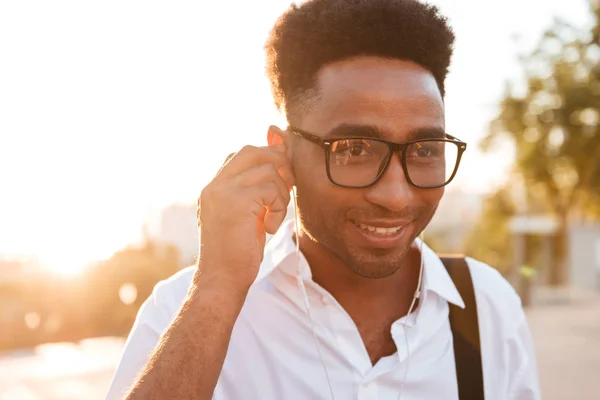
x=393, y=96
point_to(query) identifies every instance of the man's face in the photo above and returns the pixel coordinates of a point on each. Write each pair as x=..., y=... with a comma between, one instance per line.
x=399, y=99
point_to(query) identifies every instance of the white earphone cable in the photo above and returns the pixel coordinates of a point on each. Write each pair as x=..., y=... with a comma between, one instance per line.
x=306, y=301
x=410, y=310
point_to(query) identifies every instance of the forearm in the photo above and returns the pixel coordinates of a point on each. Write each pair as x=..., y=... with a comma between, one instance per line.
x=187, y=362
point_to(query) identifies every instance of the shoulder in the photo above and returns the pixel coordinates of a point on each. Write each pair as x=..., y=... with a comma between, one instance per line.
x=502, y=319
x=175, y=286
x=167, y=297
x=490, y=283
x=496, y=299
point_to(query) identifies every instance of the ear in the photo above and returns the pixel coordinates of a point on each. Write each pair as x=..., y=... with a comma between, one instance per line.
x=275, y=136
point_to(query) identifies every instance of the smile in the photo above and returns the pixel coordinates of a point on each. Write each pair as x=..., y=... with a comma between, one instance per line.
x=380, y=234
x=379, y=230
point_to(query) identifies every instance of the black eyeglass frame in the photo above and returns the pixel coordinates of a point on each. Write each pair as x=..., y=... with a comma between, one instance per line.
x=393, y=148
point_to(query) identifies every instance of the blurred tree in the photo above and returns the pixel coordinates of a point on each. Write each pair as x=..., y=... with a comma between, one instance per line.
x=130, y=273
x=489, y=240
x=554, y=129
x=595, y=5
x=42, y=307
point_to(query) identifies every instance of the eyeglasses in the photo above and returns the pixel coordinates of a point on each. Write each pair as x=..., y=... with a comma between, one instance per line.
x=360, y=162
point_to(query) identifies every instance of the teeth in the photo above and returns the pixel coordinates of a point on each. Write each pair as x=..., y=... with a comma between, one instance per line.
x=380, y=230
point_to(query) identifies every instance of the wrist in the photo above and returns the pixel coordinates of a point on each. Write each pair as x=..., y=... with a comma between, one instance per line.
x=234, y=287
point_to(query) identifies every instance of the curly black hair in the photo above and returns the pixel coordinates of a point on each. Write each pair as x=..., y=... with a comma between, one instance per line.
x=310, y=35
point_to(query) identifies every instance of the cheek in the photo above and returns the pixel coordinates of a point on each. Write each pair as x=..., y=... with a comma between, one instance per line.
x=318, y=198
x=433, y=196
x=310, y=172
x=430, y=200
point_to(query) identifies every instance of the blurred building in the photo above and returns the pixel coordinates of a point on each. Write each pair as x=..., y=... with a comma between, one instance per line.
x=178, y=226
x=584, y=256
x=583, y=249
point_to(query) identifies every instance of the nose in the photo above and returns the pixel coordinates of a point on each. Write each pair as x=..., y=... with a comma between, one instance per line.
x=392, y=191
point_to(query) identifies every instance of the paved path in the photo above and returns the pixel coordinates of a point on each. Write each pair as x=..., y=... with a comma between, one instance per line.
x=566, y=334
x=565, y=328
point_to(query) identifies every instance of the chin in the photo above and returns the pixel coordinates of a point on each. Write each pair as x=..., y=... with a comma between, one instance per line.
x=376, y=263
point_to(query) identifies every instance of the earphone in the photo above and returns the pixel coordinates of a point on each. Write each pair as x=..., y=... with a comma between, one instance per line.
x=303, y=290
x=302, y=287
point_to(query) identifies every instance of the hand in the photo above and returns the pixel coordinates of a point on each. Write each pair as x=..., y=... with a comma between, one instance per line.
x=247, y=199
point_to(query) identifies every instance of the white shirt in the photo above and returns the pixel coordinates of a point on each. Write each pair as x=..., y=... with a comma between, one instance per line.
x=272, y=354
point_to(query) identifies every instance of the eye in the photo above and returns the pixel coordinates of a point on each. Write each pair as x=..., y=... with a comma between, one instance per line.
x=426, y=149
x=352, y=148
x=352, y=152
x=423, y=151
x=357, y=150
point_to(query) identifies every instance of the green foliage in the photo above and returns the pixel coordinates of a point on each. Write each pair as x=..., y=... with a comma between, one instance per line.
x=554, y=128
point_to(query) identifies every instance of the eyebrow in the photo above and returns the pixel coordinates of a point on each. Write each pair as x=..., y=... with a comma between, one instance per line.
x=357, y=130
x=427, y=133
x=353, y=130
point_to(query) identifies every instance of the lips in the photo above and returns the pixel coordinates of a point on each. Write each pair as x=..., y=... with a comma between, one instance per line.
x=379, y=230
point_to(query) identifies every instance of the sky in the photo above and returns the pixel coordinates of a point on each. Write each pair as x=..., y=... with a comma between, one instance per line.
x=112, y=110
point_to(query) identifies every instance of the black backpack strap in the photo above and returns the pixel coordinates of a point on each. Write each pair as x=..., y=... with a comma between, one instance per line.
x=465, y=332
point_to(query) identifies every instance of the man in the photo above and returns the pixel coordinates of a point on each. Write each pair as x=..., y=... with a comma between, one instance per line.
x=362, y=313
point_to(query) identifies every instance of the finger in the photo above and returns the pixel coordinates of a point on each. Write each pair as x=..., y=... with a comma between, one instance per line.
x=267, y=195
x=264, y=173
x=251, y=156
x=273, y=221
x=260, y=228
x=229, y=157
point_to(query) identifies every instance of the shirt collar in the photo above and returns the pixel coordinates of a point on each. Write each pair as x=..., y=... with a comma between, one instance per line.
x=281, y=249
x=436, y=278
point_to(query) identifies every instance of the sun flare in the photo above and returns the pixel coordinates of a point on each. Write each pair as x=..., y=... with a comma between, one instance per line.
x=65, y=264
